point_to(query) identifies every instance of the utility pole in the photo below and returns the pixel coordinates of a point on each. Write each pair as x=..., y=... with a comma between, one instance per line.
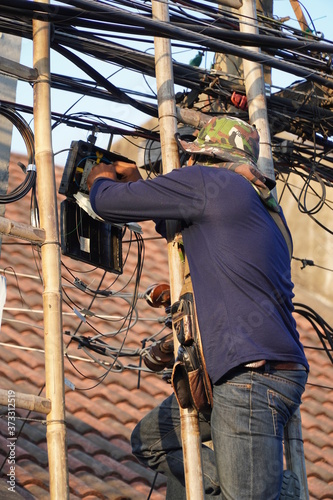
x=191, y=441
x=50, y=250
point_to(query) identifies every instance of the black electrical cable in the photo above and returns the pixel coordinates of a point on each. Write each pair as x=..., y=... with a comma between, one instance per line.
x=21, y=190
x=309, y=214
x=228, y=48
x=165, y=29
x=306, y=10
x=321, y=327
x=145, y=62
x=325, y=171
x=304, y=192
x=89, y=70
x=263, y=41
x=70, y=13
x=195, y=73
x=22, y=126
x=266, y=24
x=115, y=358
x=28, y=138
x=78, y=121
x=188, y=76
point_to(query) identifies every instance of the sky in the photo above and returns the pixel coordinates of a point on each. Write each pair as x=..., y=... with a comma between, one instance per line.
x=321, y=15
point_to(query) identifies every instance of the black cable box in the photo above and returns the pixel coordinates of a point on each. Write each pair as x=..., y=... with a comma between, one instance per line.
x=81, y=158
x=86, y=239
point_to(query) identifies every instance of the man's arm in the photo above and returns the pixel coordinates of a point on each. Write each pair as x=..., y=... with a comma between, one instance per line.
x=116, y=196
x=122, y=172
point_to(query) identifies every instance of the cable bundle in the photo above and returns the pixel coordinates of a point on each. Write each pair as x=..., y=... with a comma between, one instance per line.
x=28, y=138
x=320, y=326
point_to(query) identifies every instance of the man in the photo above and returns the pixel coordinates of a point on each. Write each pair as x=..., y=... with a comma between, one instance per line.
x=240, y=269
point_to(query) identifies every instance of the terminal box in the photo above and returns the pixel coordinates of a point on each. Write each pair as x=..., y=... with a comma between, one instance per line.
x=83, y=237
x=95, y=242
x=81, y=158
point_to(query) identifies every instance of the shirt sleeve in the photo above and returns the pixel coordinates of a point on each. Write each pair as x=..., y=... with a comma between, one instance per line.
x=178, y=195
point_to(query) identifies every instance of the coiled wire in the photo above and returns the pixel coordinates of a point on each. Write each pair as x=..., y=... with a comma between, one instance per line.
x=28, y=138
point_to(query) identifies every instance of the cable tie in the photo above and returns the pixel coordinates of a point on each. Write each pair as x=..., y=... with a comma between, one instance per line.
x=51, y=422
x=32, y=167
x=50, y=243
x=44, y=80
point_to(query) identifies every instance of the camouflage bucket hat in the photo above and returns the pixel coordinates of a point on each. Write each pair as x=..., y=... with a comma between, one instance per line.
x=226, y=138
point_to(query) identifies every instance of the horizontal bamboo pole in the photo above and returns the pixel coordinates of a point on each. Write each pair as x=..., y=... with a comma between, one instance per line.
x=235, y=4
x=17, y=70
x=16, y=400
x=19, y=230
x=192, y=117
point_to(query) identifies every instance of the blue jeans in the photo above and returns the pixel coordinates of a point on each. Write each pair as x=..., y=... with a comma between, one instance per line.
x=251, y=409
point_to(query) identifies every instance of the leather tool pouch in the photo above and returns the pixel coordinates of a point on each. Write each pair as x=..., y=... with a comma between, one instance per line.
x=189, y=379
x=182, y=315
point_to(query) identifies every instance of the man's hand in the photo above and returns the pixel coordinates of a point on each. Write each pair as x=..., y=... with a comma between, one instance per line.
x=127, y=172
x=120, y=171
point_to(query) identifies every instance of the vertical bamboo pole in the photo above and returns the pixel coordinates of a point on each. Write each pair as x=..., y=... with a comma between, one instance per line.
x=170, y=158
x=54, y=368
x=255, y=90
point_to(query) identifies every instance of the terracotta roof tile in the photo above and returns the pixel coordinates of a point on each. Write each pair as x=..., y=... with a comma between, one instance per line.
x=17, y=494
x=145, y=490
x=104, y=428
x=36, y=432
x=7, y=372
x=80, y=489
x=116, y=468
x=318, y=489
x=37, y=491
x=106, y=410
x=111, y=488
x=120, y=451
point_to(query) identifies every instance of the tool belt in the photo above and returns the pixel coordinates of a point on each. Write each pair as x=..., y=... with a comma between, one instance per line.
x=190, y=380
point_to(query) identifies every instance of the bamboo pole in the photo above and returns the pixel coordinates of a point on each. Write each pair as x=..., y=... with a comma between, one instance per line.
x=15, y=69
x=170, y=158
x=255, y=90
x=23, y=231
x=235, y=4
x=27, y=401
x=192, y=117
x=54, y=367
x=300, y=16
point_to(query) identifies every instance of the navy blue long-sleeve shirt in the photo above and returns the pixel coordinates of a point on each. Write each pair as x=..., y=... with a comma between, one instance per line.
x=238, y=259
